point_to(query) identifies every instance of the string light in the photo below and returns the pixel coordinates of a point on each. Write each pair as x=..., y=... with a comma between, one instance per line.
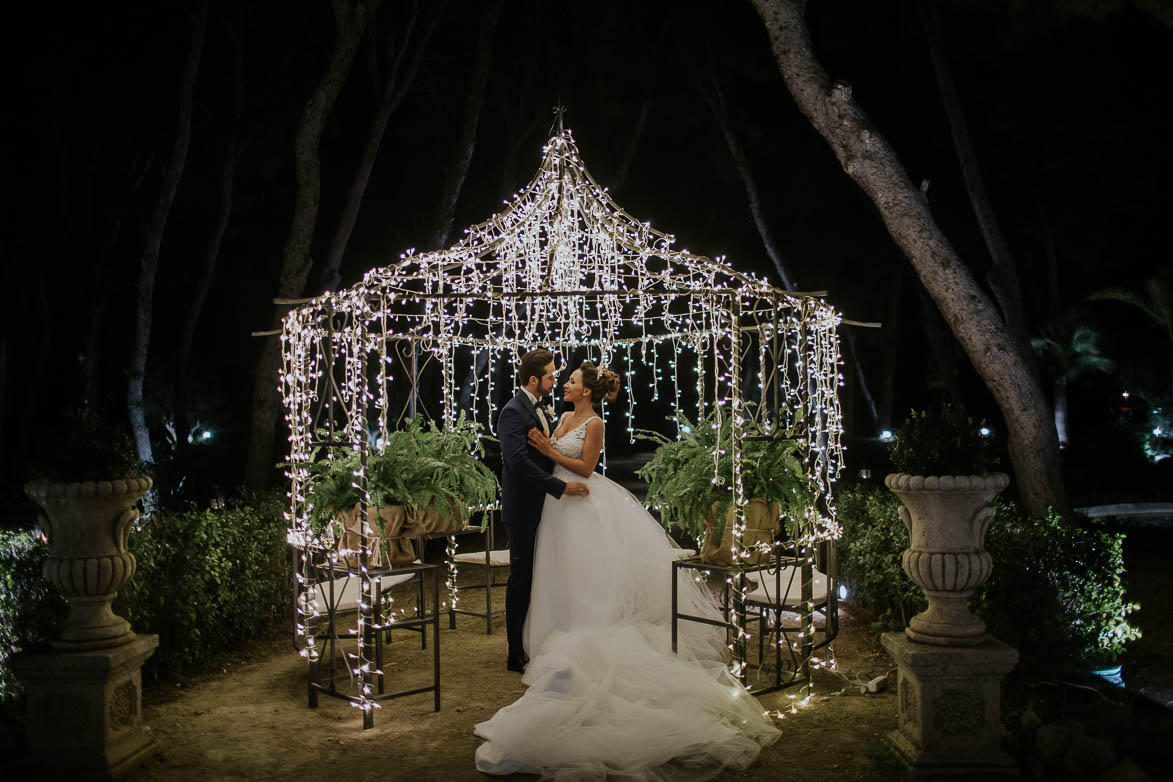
x=560, y=266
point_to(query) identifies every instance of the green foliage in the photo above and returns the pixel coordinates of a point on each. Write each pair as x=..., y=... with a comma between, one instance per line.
x=419, y=467
x=686, y=476
x=947, y=442
x=870, y=552
x=207, y=579
x=1070, y=349
x=1056, y=592
x=28, y=605
x=83, y=447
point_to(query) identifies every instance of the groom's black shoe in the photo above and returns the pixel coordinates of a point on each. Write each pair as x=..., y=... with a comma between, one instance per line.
x=516, y=664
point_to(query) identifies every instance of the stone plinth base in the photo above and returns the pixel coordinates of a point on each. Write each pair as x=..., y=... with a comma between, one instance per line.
x=84, y=710
x=950, y=707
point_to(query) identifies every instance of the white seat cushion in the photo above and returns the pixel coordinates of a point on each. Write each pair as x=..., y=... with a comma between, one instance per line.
x=346, y=589
x=791, y=587
x=498, y=558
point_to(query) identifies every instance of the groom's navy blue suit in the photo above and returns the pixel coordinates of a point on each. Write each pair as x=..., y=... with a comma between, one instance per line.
x=526, y=479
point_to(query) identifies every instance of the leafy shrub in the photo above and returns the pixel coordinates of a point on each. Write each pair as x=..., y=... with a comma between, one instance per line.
x=83, y=447
x=681, y=481
x=207, y=579
x=1056, y=592
x=870, y=552
x=28, y=605
x=947, y=442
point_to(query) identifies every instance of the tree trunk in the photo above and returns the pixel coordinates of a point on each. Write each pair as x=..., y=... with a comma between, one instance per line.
x=1003, y=275
x=868, y=159
x=233, y=148
x=394, y=89
x=716, y=100
x=351, y=19
x=446, y=210
x=942, y=346
x=891, y=352
x=1059, y=386
x=516, y=110
x=153, y=239
x=1159, y=10
x=203, y=283
x=641, y=121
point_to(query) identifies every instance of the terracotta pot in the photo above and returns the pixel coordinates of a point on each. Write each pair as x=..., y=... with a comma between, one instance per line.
x=88, y=525
x=947, y=517
x=761, y=526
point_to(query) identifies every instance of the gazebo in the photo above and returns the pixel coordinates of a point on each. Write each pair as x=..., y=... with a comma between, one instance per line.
x=561, y=266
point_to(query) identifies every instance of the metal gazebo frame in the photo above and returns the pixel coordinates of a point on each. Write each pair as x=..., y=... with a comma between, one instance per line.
x=562, y=266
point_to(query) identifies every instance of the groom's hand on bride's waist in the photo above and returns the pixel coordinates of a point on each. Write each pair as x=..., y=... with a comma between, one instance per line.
x=576, y=489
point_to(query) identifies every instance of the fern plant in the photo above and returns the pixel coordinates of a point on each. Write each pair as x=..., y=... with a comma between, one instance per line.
x=421, y=467
x=687, y=476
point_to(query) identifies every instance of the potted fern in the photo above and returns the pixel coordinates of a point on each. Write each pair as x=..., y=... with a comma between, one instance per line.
x=422, y=479
x=945, y=484
x=690, y=481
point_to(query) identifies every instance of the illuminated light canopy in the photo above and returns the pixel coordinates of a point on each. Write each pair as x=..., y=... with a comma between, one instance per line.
x=561, y=266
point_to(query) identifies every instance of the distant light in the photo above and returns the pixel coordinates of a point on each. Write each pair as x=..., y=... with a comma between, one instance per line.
x=379, y=443
x=887, y=435
x=206, y=435
x=1158, y=431
x=1125, y=394
x=984, y=431
x=842, y=591
x=865, y=473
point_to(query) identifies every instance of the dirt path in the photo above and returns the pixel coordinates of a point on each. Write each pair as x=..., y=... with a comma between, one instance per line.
x=252, y=722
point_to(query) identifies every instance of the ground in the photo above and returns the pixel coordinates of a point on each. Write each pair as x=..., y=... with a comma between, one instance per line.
x=253, y=723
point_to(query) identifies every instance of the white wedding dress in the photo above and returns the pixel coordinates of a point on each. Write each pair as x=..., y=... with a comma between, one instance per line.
x=607, y=698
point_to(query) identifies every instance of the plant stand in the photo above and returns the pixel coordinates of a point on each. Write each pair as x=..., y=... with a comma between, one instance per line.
x=329, y=677
x=949, y=707
x=786, y=584
x=84, y=710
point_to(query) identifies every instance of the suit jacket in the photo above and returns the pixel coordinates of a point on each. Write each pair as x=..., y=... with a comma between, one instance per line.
x=527, y=475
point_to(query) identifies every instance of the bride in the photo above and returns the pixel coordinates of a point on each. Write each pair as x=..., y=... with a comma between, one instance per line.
x=607, y=697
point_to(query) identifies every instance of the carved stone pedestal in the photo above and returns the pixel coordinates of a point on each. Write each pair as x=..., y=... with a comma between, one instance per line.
x=949, y=703
x=84, y=710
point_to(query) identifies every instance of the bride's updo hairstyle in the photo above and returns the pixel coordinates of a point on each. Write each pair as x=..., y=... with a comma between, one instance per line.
x=602, y=382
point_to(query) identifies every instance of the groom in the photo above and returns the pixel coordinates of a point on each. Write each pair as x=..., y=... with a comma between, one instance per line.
x=525, y=480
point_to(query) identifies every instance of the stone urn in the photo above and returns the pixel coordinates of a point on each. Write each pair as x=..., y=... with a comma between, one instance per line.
x=947, y=517
x=88, y=525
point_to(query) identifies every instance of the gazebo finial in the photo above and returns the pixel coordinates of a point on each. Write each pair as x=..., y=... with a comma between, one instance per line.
x=559, y=113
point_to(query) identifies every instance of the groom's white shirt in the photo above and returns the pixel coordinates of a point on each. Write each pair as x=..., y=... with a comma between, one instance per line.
x=541, y=415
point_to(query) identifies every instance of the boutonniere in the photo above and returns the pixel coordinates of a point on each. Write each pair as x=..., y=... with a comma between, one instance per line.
x=547, y=411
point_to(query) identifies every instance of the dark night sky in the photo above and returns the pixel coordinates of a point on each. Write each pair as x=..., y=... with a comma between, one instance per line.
x=1068, y=113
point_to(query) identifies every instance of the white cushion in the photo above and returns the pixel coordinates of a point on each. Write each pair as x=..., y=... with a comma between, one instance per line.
x=683, y=553
x=346, y=590
x=791, y=584
x=496, y=558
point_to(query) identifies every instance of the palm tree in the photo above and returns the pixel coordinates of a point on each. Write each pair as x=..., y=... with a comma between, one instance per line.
x=1155, y=300
x=1068, y=351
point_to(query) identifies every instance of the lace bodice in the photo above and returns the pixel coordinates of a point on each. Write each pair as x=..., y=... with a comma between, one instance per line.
x=570, y=444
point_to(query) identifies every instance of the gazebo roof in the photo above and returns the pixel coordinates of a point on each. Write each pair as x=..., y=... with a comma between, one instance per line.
x=562, y=232
x=561, y=265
